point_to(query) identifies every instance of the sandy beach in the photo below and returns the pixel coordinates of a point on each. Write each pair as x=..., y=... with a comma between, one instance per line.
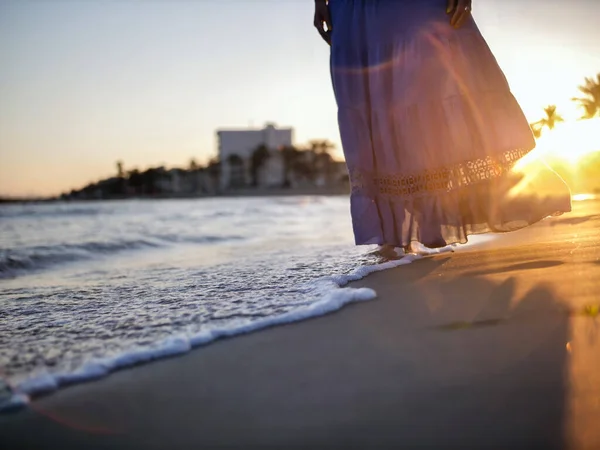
x=494, y=346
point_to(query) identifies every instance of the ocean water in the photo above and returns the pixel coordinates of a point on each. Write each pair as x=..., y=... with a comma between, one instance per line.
x=87, y=288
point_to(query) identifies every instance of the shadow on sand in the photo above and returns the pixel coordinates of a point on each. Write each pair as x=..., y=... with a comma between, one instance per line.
x=489, y=366
x=515, y=267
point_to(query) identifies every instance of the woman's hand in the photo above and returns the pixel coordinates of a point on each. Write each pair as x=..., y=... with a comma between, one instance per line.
x=322, y=19
x=459, y=10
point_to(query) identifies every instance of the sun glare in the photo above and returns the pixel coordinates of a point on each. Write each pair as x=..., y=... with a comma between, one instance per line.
x=571, y=140
x=583, y=197
x=564, y=149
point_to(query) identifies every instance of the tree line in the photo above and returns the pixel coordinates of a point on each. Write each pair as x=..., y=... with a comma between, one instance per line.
x=306, y=162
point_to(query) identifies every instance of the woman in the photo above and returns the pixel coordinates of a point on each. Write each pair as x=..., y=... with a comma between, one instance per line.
x=429, y=127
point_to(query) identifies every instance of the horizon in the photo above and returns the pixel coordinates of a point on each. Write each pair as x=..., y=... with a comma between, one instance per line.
x=87, y=85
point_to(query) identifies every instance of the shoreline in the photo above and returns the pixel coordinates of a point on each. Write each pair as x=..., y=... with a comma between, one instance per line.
x=487, y=346
x=283, y=192
x=335, y=298
x=312, y=192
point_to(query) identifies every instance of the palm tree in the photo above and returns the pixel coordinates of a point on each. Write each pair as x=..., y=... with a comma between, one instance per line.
x=214, y=173
x=257, y=160
x=321, y=146
x=550, y=121
x=120, y=172
x=290, y=160
x=590, y=101
x=322, y=161
x=121, y=177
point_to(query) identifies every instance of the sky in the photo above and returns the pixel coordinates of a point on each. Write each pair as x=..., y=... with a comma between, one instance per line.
x=84, y=83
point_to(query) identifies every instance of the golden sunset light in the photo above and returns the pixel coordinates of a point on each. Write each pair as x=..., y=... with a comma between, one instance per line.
x=75, y=100
x=571, y=140
x=303, y=224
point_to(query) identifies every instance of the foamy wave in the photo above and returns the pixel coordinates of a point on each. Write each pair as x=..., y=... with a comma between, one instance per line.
x=19, y=261
x=331, y=291
x=10, y=401
x=15, y=262
x=13, y=402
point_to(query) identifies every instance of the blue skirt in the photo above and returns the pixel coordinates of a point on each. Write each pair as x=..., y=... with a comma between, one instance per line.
x=429, y=128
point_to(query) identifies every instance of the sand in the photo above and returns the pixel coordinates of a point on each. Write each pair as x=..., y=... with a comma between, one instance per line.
x=495, y=346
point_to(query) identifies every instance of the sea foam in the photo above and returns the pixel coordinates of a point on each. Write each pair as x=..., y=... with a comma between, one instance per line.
x=332, y=294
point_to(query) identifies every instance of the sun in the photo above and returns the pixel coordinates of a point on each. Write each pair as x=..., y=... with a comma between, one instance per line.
x=569, y=149
x=571, y=140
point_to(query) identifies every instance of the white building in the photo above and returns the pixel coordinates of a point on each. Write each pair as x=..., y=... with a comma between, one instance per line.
x=235, y=153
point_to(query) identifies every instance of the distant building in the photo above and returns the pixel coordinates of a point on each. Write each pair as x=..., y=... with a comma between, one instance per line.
x=236, y=148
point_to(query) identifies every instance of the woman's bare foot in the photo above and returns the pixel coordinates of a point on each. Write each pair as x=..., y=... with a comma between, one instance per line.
x=388, y=251
x=416, y=248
